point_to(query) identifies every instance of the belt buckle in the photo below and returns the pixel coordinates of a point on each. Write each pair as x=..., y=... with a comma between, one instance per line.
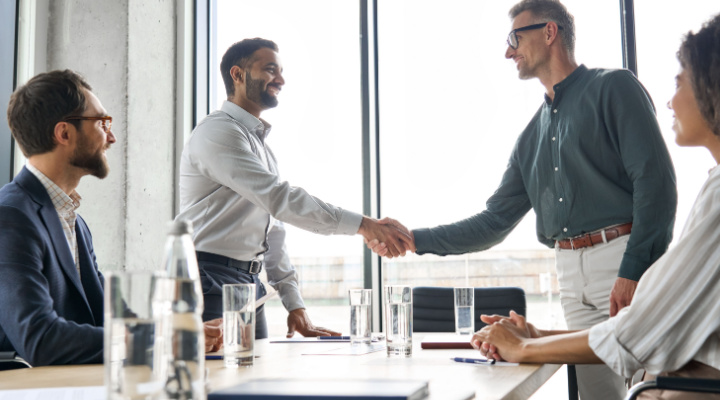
x=255, y=267
x=585, y=236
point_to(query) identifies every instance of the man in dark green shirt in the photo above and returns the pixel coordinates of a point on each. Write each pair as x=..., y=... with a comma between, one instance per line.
x=593, y=165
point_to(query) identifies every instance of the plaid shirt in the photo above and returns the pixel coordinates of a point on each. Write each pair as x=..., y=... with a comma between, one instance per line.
x=65, y=206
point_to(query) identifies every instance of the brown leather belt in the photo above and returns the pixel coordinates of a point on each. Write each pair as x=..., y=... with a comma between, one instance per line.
x=590, y=239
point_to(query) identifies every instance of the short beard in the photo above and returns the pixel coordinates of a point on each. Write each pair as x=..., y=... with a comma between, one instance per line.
x=525, y=74
x=83, y=158
x=254, y=91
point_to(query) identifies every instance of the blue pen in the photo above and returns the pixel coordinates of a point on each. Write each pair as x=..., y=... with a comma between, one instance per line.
x=211, y=357
x=333, y=337
x=474, y=360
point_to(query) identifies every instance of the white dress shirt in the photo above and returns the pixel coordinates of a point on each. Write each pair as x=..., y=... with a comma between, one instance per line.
x=231, y=190
x=675, y=314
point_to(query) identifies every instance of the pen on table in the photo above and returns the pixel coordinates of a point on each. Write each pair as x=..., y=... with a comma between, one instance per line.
x=490, y=361
x=213, y=357
x=333, y=337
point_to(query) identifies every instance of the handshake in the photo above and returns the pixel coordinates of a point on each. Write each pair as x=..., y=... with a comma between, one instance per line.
x=387, y=237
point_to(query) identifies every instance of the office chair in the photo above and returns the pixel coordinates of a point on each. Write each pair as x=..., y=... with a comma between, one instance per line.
x=10, y=360
x=434, y=307
x=434, y=311
x=675, y=384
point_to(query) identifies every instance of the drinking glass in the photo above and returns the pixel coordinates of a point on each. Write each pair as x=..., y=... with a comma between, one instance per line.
x=239, y=324
x=398, y=318
x=360, y=316
x=133, y=357
x=464, y=310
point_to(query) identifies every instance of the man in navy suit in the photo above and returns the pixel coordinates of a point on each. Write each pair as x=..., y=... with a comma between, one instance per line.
x=51, y=291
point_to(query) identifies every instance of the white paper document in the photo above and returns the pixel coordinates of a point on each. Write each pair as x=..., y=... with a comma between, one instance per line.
x=62, y=393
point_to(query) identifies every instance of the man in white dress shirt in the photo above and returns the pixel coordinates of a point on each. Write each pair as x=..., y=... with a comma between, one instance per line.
x=231, y=190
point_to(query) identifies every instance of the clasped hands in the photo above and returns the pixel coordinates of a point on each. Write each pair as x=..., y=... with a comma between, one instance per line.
x=504, y=337
x=387, y=237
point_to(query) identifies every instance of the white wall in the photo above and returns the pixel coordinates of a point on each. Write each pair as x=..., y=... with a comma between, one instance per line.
x=126, y=50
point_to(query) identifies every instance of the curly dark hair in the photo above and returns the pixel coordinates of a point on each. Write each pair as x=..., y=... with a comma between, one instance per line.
x=36, y=107
x=240, y=54
x=550, y=10
x=699, y=55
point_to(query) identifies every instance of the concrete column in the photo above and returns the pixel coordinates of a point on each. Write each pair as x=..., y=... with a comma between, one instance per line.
x=151, y=130
x=126, y=51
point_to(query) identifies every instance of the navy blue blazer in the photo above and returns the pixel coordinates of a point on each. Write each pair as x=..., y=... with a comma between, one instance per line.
x=47, y=313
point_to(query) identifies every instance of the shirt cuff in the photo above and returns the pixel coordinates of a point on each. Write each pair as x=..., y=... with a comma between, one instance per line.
x=291, y=298
x=632, y=268
x=422, y=240
x=349, y=223
x=604, y=343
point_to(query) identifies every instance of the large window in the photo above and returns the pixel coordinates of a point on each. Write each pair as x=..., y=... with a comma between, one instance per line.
x=660, y=31
x=451, y=109
x=316, y=132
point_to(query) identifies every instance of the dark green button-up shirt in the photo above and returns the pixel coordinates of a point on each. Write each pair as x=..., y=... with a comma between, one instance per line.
x=590, y=158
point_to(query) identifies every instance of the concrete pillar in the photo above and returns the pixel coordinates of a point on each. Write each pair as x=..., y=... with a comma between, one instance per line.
x=126, y=51
x=151, y=130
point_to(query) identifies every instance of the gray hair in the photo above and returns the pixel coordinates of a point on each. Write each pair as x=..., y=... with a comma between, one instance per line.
x=546, y=11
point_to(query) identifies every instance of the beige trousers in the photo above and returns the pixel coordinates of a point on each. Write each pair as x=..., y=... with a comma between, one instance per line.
x=586, y=277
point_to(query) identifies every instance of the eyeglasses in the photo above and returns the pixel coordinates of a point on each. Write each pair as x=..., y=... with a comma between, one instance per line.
x=106, y=121
x=512, y=39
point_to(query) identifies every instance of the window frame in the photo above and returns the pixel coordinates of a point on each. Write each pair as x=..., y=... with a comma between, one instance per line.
x=8, y=73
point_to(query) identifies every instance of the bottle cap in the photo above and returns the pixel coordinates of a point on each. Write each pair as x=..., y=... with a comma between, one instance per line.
x=180, y=227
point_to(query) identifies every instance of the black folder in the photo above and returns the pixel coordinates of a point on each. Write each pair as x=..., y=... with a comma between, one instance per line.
x=324, y=389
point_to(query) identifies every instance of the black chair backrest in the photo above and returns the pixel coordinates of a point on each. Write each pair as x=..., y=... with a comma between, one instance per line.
x=434, y=307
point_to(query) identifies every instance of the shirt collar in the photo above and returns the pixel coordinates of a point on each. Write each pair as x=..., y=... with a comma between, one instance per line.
x=258, y=126
x=574, y=76
x=61, y=200
x=714, y=170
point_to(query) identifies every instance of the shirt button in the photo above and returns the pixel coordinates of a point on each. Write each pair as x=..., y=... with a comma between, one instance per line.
x=561, y=199
x=564, y=229
x=553, y=138
x=556, y=168
x=555, y=111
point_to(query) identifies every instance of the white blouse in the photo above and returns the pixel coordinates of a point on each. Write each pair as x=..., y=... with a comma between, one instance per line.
x=675, y=313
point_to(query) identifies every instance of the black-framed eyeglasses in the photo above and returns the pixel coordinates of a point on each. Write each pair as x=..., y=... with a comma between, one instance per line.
x=106, y=121
x=512, y=39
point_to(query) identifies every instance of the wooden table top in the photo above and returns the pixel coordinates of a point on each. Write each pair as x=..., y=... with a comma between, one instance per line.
x=447, y=379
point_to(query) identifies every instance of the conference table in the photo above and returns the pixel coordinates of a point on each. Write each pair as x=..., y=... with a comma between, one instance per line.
x=307, y=360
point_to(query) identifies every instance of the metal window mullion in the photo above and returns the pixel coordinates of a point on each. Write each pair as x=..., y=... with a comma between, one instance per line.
x=627, y=26
x=8, y=75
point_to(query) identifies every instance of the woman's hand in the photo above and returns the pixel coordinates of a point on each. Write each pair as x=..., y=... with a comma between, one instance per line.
x=503, y=337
